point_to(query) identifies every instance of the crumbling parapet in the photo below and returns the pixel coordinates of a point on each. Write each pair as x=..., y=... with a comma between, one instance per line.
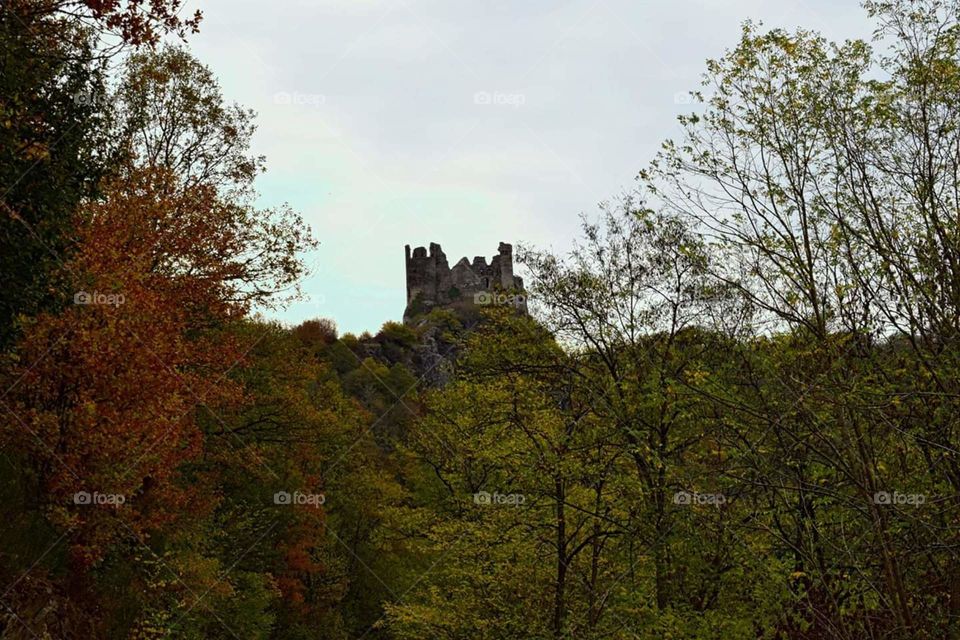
x=432, y=283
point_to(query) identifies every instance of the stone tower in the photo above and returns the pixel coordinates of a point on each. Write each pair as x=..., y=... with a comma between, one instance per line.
x=431, y=282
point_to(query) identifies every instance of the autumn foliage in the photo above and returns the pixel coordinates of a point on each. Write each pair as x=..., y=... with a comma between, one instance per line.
x=733, y=416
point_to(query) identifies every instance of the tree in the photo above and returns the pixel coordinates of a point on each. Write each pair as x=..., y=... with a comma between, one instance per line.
x=516, y=478
x=820, y=175
x=50, y=153
x=171, y=114
x=132, y=22
x=108, y=391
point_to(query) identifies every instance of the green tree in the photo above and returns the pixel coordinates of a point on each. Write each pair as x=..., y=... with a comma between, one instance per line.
x=51, y=153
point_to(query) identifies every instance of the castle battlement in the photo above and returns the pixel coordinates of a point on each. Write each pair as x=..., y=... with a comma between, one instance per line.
x=431, y=282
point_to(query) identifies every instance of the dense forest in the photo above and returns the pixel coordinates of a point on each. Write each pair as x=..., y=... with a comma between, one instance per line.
x=733, y=411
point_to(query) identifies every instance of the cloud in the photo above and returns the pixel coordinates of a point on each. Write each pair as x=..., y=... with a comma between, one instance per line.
x=380, y=139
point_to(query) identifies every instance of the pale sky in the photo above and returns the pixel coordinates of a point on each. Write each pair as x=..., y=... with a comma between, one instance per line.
x=399, y=122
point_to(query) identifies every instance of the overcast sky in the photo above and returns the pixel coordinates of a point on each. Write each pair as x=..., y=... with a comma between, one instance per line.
x=399, y=122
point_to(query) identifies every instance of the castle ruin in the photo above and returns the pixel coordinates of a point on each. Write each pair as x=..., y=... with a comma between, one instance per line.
x=432, y=283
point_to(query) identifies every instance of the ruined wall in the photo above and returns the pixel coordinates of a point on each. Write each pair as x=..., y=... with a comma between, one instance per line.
x=432, y=283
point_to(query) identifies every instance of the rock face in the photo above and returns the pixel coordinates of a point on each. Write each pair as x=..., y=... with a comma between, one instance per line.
x=433, y=360
x=432, y=283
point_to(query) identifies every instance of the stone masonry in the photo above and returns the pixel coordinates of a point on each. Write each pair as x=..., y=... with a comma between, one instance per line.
x=432, y=283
